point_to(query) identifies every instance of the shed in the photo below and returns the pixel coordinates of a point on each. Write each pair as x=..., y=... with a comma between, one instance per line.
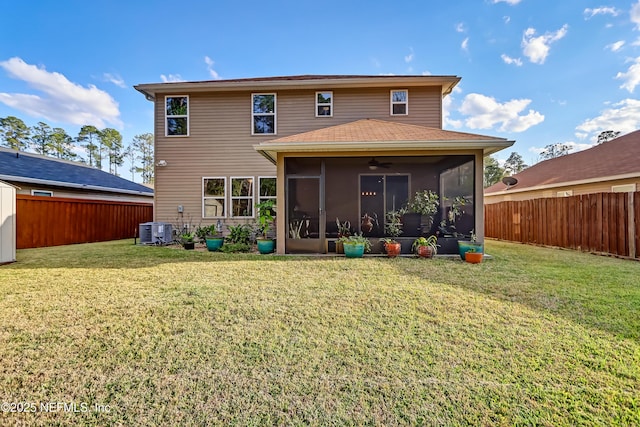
x=7, y=223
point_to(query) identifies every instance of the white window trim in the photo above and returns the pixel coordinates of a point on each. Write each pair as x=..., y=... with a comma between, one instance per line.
x=260, y=178
x=251, y=198
x=42, y=193
x=166, y=116
x=224, y=197
x=274, y=114
x=392, y=103
x=330, y=104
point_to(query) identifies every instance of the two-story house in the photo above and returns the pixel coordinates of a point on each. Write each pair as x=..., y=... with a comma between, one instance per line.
x=324, y=147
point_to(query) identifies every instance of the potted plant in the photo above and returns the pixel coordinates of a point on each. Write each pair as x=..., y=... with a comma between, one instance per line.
x=465, y=246
x=213, y=237
x=473, y=257
x=425, y=247
x=355, y=246
x=188, y=240
x=266, y=218
x=393, y=228
x=344, y=230
x=424, y=203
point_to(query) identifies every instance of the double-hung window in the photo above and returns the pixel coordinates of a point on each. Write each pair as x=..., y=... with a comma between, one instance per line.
x=242, y=197
x=267, y=185
x=399, y=102
x=263, y=113
x=214, y=197
x=177, y=115
x=324, y=104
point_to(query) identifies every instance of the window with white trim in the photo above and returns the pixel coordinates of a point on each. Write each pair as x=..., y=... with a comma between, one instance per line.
x=267, y=188
x=242, y=197
x=263, y=114
x=44, y=193
x=214, y=197
x=324, y=104
x=399, y=102
x=176, y=115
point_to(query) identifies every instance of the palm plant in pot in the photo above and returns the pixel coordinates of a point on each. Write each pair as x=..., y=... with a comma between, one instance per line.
x=393, y=228
x=425, y=247
x=266, y=210
x=213, y=236
x=355, y=246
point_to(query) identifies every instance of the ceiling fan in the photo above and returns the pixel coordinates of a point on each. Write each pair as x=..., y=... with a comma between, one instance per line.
x=374, y=164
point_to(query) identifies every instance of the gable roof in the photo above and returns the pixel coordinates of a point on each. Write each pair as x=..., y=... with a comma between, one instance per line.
x=311, y=81
x=615, y=159
x=381, y=135
x=18, y=166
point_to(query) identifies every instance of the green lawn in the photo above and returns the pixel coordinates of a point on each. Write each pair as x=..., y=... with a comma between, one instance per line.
x=131, y=335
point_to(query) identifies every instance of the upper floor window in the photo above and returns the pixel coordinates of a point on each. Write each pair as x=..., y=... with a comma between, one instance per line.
x=324, y=104
x=263, y=113
x=177, y=115
x=214, y=197
x=399, y=102
x=242, y=197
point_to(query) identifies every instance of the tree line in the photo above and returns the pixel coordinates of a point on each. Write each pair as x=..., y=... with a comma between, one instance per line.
x=103, y=147
x=493, y=172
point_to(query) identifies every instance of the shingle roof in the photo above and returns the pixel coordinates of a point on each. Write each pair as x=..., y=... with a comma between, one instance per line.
x=614, y=158
x=33, y=168
x=370, y=130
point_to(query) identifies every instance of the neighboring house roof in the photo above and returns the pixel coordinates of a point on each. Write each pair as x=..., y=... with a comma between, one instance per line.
x=298, y=82
x=380, y=135
x=18, y=166
x=615, y=159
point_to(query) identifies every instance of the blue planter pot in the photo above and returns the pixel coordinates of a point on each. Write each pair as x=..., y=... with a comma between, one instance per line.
x=354, y=250
x=214, y=243
x=464, y=246
x=266, y=246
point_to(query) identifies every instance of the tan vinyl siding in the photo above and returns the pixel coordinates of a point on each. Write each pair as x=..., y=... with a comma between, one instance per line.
x=221, y=144
x=590, y=188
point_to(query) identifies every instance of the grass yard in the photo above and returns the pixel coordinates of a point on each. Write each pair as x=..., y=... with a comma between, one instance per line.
x=117, y=334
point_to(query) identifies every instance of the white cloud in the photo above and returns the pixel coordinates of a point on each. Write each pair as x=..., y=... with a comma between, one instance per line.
x=409, y=57
x=635, y=14
x=511, y=2
x=213, y=73
x=604, y=10
x=623, y=116
x=460, y=27
x=485, y=113
x=614, y=47
x=171, y=78
x=574, y=147
x=632, y=77
x=115, y=79
x=506, y=19
x=59, y=100
x=509, y=60
x=465, y=44
x=537, y=48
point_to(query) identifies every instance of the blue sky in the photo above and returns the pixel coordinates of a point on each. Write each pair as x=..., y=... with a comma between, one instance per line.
x=539, y=72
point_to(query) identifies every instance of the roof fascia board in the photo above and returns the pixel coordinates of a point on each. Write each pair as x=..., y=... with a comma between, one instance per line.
x=447, y=83
x=72, y=185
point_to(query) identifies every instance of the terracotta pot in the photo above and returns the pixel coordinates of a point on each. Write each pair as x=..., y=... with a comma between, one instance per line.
x=425, y=252
x=393, y=249
x=473, y=257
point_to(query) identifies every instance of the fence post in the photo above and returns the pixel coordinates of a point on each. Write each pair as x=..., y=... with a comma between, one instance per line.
x=632, y=225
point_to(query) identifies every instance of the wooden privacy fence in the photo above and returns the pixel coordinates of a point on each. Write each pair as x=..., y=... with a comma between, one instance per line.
x=52, y=221
x=602, y=222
